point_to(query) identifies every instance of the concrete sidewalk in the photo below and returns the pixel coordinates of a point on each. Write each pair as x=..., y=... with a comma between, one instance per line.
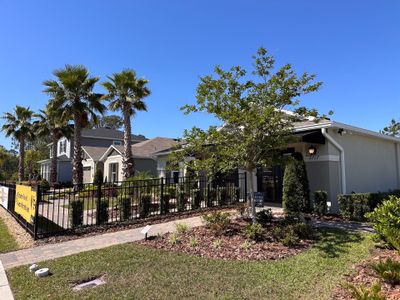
x=52, y=251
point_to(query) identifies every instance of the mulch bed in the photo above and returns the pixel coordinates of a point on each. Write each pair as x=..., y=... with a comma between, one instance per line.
x=233, y=245
x=87, y=231
x=364, y=275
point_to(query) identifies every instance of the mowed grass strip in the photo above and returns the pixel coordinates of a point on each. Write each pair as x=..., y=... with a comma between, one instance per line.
x=137, y=272
x=7, y=242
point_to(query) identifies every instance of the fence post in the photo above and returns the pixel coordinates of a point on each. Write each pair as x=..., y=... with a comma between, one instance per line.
x=36, y=217
x=162, y=200
x=245, y=186
x=98, y=199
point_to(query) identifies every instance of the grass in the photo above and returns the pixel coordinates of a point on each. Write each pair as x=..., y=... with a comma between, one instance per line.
x=136, y=272
x=91, y=204
x=7, y=242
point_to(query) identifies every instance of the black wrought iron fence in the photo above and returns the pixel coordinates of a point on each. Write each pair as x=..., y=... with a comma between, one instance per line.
x=70, y=208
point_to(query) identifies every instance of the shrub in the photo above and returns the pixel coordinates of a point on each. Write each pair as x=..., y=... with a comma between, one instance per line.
x=296, y=194
x=181, y=201
x=217, y=222
x=217, y=243
x=386, y=219
x=44, y=184
x=264, y=216
x=290, y=238
x=125, y=207
x=76, y=214
x=102, y=214
x=211, y=197
x=254, y=232
x=196, y=198
x=174, y=238
x=389, y=270
x=181, y=227
x=193, y=242
x=303, y=230
x=246, y=245
x=363, y=293
x=320, y=202
x=144, y=205
x=98, y=177
x=110, y=192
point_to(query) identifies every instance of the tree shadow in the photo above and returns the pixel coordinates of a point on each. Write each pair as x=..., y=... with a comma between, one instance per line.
x=335, y=241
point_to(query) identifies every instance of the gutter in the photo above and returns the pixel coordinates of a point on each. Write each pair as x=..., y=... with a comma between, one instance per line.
x=342, y=162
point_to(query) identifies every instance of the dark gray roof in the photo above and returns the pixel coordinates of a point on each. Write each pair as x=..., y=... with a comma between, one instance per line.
x=109, y=133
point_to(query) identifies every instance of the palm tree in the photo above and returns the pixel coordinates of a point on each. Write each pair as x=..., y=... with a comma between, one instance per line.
x=18, y=125
x=51, y=124
x=73, y=96
x=126, y=93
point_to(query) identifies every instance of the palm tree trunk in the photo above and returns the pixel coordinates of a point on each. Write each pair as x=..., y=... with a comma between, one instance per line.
x=77, y=168
x=21, y=162
x=128, y=163
x=53, y=167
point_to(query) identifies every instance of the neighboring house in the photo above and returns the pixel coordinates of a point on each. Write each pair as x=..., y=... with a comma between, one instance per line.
x=339, y=159
x=145, y=155
x=94, y=143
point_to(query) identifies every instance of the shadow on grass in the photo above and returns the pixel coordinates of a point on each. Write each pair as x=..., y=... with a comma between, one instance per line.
x=334, y=241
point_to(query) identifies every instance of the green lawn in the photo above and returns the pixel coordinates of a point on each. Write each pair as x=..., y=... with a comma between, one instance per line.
x=137, y=272
x=7, y=242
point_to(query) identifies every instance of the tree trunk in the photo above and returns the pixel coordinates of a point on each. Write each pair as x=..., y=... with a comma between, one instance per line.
x=128, y=163
x=21, y=161
x=77, y=168
x=252, y=204
x=53, y=166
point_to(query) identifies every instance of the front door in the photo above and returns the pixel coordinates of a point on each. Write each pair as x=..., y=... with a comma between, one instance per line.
x=270, y=182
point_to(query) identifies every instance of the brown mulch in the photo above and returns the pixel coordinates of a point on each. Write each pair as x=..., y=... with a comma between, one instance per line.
x=114, y=227
x=23, y=239
x=234, y=245
x=364, y=275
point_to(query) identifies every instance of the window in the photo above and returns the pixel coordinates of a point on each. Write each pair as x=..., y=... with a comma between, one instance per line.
x=117, y=143
x=51, y=151
x=114, y=172
x=62, y=149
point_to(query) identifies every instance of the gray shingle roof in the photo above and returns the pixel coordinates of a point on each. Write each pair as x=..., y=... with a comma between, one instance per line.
x=109, y=133
x=95, y=152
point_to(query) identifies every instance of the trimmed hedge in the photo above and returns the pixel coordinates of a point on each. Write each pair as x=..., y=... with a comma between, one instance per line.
x=320, y=202
x=355, y=206
x=76, y=213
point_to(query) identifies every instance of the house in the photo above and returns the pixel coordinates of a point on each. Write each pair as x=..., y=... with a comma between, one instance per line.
x=94, y=143
x=339, y=159
x=146, y=158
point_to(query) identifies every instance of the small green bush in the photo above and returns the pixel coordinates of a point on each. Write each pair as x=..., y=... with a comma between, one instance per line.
x=246, y=245
x=144, y=205
x=174, y=238
x=303, y=230
x=386, y=220
x=389, y=270
x=363, y=293
x=181, y=228
x=217, y=222
x=44, y=184
x=193, y=242
x=264, y=216
x=103, y=211
x=76, y=213
x=320, y=202
x=254, y=232
x=125, y=207
x=290, y=239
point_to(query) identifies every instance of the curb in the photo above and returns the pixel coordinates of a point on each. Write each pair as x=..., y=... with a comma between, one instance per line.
x=5, y=290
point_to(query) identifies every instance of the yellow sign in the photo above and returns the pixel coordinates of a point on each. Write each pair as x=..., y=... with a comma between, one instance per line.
x=25, y=202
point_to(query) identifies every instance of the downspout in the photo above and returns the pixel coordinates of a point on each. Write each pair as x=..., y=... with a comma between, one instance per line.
x=342, y=162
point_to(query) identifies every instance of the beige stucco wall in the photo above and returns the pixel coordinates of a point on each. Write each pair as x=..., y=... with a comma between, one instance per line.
x=371, y=163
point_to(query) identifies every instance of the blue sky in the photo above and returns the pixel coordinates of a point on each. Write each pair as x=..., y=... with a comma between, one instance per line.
x=352, y=46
